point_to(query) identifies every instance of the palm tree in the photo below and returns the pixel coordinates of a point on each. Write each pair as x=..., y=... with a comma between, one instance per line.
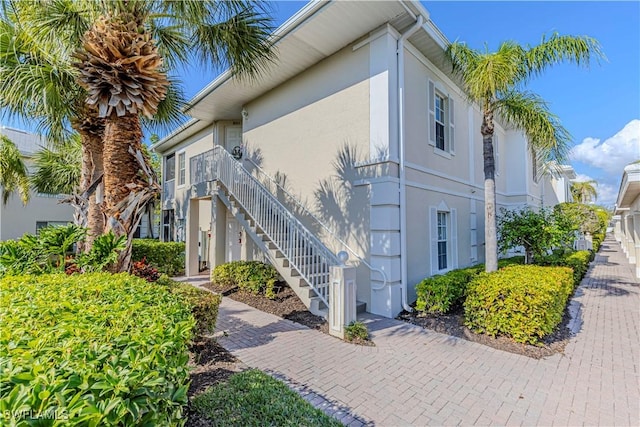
x=37, y=81
x=495, y=80
x=13, y=172
x=121, y=68
x=584, y=191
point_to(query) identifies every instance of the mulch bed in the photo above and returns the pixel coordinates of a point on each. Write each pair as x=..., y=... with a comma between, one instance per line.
x=286, y=305
x=210, y=364
x=453, y=324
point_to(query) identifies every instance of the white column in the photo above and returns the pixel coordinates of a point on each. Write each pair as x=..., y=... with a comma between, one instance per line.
x=342, y=299
x=631, y=247
x=636, y=241
x=191, y=240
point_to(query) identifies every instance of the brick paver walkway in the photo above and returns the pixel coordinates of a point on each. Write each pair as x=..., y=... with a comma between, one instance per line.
x=418, y=377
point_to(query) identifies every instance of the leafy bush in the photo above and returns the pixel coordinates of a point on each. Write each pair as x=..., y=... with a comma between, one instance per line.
x=252, y=276
x=356, y=330
x=145, y=271
x=167, y=257
x=438, y=294
x=51, y=251
x=523, y=302
x=204, y=304
x=577, y=261
x=101, y=349
x=253, y=398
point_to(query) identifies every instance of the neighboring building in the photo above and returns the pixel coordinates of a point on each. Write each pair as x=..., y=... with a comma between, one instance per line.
x=557, y=188
x=42, y=210
x=360, y=120
x=626, y=220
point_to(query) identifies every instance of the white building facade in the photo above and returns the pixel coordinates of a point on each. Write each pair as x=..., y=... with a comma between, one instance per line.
x=363, y=137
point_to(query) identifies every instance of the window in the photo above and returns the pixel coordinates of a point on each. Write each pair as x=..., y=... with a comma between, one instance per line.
x=439, y=109
x=441, y=112
x=181, y=168
x=534, y=166
x=442, y=240
x=170, y=167
x=168, y=219
x=43, y=224
x=443, y=225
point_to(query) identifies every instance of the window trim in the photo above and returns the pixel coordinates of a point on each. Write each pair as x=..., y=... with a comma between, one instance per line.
x=181, y=172
x=168, y=158
x=438, y=95
x=445, y=228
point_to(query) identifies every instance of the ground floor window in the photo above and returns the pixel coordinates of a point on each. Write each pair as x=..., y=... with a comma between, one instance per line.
x=442, y=240
x=43, y=224
x=168, y=221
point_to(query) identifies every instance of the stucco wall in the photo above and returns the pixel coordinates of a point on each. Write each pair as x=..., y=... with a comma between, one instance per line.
x=17, y=219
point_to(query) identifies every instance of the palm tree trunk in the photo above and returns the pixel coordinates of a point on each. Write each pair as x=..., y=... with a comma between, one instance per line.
x=92, y=157
x=128, y=181
x=490, y=226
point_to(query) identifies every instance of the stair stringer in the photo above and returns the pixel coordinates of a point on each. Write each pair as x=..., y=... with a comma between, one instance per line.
x=299, y=286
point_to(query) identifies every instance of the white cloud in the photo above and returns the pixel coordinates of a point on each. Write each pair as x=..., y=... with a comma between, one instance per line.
x=614, y=153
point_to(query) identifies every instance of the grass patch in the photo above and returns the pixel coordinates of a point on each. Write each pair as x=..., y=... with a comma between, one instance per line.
x=253, y=398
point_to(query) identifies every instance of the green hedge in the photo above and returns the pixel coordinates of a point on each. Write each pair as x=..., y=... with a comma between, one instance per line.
x=204, y=304
x=577, y=261
x=98, y=349
x=523, y=302
x=438, y=294
x=167, y=257
x=252, y=276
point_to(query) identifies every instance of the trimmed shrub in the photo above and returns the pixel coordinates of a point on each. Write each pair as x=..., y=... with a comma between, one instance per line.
x=167, y=257
x=523, y=302
x=96, y=349
x=204, y=304
x=438, y=294
x=577, y=261
x=252, y=276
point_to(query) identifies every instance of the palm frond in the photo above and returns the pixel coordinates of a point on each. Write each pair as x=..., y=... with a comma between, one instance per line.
x=13, y=171
x=530, y=113
x=558, y=48
x=169, y=114
x=58, y=169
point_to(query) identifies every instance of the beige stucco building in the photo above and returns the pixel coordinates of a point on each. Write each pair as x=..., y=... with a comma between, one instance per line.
x=626, y=220
x=42, y=210
x=375, y=147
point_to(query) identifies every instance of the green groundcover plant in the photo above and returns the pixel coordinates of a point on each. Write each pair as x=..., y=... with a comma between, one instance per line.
x=253, y=398
x=93, y=350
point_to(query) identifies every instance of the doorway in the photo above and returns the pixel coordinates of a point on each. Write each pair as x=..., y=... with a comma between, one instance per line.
x=234, y=240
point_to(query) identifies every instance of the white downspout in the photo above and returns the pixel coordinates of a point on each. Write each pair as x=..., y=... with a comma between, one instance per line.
x=403, y=188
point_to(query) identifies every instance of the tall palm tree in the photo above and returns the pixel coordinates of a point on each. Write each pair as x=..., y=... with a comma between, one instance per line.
x=37, y=81
x=495, y=80
x=122, y=69
x=58, y=169
x=13, y=172
x=584, y=191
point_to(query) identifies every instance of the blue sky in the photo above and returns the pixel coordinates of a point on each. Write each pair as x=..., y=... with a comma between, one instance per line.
x=599, y=106
x=594, y=104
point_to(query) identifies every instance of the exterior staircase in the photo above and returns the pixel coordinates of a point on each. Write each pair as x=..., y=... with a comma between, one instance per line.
x=301, y=259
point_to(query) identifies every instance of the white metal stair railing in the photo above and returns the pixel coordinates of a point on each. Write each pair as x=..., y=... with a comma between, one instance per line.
x=330, y=233
x=304, y=251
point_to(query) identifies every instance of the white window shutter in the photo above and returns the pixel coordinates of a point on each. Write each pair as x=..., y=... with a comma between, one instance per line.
x=454, y=239
x=452, y=147
x=432, y=114
x=433, y=227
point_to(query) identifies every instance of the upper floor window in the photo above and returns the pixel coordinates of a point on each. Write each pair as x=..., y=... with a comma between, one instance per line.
x=441, y=119
x=534, y=166
x=182, y=172
x=170, y=167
